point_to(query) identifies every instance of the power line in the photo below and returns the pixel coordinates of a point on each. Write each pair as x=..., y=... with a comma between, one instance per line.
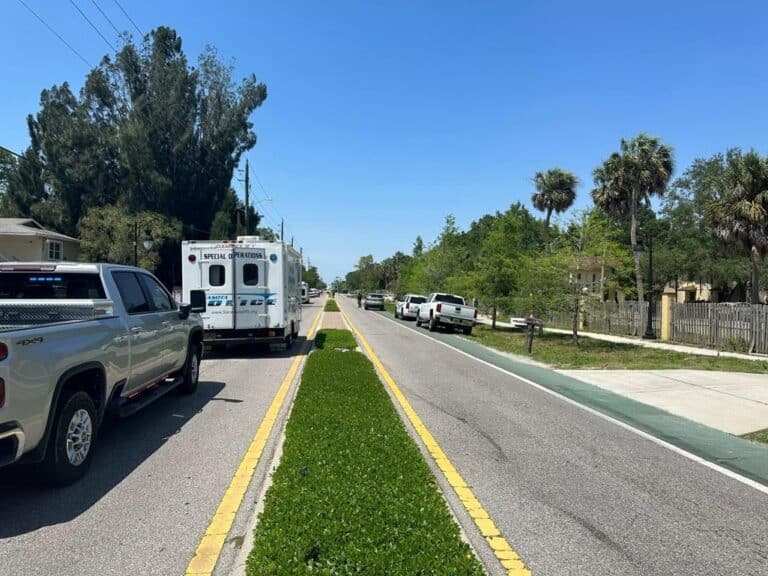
x=8, y=151
x=93, y=25
x=67, y=44
x=268, y=197
x=106, y=17
x=129, y=18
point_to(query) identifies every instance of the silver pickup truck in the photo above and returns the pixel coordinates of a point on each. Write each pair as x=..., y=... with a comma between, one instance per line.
x=78, y=342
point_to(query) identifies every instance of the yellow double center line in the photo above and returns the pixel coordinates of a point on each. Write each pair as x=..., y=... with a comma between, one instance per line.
x=209, y=549
x=501, y=548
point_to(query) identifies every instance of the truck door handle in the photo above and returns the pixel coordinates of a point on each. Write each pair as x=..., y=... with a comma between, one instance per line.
x=136, y=329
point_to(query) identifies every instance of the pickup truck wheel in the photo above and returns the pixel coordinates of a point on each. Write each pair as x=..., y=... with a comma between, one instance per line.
x=432, y=324
x=467, y=331
x=191, y=371
x=70, y=448
x=418, y=322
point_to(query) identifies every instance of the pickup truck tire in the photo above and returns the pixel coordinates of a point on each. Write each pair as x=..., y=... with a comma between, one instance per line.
x=432, y=323
x=418, y=322
x=191, y=371
x=467, y=331
x=70, y=448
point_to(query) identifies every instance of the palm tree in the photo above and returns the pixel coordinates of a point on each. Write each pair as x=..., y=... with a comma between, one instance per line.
x=740, y=216
x=555, y=192
x=641, y=169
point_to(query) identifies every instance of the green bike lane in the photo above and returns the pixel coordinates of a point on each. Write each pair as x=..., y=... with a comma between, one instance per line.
x=745, y=458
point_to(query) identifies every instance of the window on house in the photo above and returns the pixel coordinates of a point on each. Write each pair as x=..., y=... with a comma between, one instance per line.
x=54, y=250
x=578, y=276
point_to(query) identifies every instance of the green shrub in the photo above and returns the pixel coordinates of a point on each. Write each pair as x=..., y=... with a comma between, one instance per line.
x=331, y=306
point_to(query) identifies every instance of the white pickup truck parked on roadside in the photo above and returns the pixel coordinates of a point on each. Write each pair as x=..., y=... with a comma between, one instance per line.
x=79, y=341
x=446, y=310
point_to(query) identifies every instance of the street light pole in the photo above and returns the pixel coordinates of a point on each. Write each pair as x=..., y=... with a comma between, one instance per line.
x=649, y=334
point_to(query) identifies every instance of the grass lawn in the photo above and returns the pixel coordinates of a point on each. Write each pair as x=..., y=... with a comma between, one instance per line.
x=558, y=351
x=759, y=436
x=389, y=307
x=352, y=493
x=331, y=306
x=333, y=338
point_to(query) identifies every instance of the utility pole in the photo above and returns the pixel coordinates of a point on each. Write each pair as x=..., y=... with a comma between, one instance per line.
x=282, y=230
x=247, y=193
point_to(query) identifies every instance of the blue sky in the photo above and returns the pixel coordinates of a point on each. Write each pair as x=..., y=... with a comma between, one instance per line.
x=385, y=116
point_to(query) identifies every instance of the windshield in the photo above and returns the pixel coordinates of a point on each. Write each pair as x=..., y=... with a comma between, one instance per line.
x=449, y=299
x=375, y=297
x=50, y=286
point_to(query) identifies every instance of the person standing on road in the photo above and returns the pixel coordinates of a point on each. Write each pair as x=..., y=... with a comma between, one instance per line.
x=359, y=298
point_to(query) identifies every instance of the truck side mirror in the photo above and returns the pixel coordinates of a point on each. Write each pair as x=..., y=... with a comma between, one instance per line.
x=184, y=310
x=198, y=301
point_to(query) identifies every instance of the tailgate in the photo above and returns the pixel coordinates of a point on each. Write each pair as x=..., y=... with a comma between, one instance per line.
x=458, y=311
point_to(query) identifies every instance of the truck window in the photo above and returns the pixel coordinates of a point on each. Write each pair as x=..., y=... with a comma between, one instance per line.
x=250, y=275
x=131, y=292
x=157, y=294
x=448, y=299
x=50, y=286
x=216, y=275
x=417, y=300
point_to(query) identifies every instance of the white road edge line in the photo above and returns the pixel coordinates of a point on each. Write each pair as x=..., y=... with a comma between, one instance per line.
x=716, y=467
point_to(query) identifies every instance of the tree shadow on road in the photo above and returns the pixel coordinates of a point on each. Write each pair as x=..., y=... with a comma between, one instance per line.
x=26, y=505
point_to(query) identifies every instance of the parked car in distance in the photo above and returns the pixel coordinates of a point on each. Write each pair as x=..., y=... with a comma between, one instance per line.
x=78, y=342
x=408, y=307
x=446, y=310
x=374, y=301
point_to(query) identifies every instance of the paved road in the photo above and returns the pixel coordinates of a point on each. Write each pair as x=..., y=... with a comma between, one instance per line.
x=155, y=481
x=573, y=493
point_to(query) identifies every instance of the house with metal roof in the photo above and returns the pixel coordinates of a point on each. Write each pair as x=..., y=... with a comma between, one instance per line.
x=25, y=240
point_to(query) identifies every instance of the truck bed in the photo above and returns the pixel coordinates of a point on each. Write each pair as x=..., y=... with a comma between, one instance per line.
x=16, y=315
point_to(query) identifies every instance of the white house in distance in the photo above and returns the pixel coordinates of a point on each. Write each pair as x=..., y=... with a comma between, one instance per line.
x=24, y=240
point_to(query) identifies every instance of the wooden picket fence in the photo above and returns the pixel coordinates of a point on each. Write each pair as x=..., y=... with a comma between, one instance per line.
x=738, y=327
x=732, y=326
x=626, y=318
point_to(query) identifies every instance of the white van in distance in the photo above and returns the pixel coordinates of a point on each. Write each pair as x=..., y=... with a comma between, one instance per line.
x=246, y=291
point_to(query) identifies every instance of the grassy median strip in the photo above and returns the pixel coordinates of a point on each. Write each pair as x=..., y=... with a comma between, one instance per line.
x=352, y=493
x=331, y=306
x=559, y=351
x=334, y=338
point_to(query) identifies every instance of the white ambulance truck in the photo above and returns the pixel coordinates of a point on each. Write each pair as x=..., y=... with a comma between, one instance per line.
x=304, y=293
x=246, y=291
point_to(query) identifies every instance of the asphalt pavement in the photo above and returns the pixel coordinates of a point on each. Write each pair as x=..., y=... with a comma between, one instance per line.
x=155, y=482
x=573, y=493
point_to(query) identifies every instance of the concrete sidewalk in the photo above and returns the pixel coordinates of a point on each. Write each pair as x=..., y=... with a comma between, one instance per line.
x=682, y=348
x=731, y=402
